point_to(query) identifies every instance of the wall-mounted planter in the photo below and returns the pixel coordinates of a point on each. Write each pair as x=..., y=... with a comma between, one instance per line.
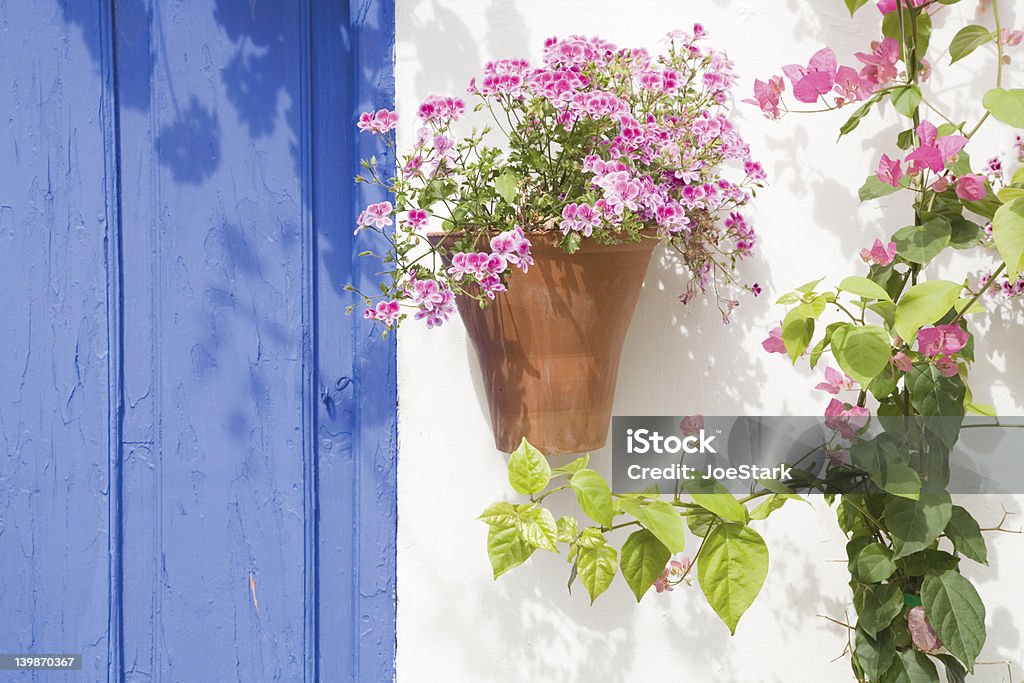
x=549, y=347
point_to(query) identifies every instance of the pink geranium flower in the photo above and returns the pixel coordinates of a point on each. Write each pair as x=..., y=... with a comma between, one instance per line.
x=881, y=254
x=816, y=79
x=380, y=122
x=386, y=312
x=942, y=340
x=375, y=215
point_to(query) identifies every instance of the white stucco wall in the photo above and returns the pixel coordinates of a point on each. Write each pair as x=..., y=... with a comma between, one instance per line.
x=454, y=622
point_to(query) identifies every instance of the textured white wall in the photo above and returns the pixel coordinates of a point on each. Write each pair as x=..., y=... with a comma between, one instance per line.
x=454, y=622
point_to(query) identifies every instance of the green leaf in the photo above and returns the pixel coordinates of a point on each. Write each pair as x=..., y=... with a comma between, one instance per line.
x=965, y=234
x=854, y=5
x=665, y=522
x=872, y=564
x=732, y=567
x=642, y=561
x=1008, y=231
x=861, y=111
x=593, y=495
x=528, y=470
x=797, y=332
x=877, y=605
x=921, y=243
x=873, y=188
x=862, y=352
x=700, y=523
x=965, y=534
x=923, y=304
x=572, y=467
x=507, y=185
x=931, y=394
x=538, y=528
x=773, y=503
x=906, y=100
x=1006, y=105
x=503, y=515
x=506, y=549
x=912, y=667
x=967, y=40
x=567, y=528
x=596, y=568
x=915, y=524
x=955, y=671
x=875, y=655
x=714, y=498
x=863, y=287
x=957, y=614
x=899, y=480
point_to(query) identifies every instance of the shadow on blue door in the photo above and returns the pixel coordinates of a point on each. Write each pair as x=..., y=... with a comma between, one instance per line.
x=199, y=447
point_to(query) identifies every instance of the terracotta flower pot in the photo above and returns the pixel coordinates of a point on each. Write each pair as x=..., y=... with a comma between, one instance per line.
x=549, y=347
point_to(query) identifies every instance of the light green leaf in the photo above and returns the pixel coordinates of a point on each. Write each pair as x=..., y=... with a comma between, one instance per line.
x=863, y=287
x=572, y=467
x=915, y=524
x=1006, y=105
x=773, y=503
x=642, y=561
x=967, y=40
x=899, y=480
x=528, y=469
x=872, y=564
x=854, y=5
x=862, y=352
x=797, y=332
x=877, y=605
x=506, y=549
x=507, y=185
x=957, y=614
x=965, y=534
x=923, y=304
x=593, y=495
x=714, y=498
x=501, y=515
x=921, y=243
x=906, y=99
x=1008, y=232
x=874, y=188
x=596, y=568
x=567, y=528
x=538, y=528
x=732, y=567
x=662, y=520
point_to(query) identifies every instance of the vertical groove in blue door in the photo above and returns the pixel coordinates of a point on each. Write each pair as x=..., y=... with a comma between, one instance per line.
x=111, y=133
x=199, y=446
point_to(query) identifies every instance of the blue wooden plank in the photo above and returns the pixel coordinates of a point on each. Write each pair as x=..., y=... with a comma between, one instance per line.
x=59, y=370
x=353, y=66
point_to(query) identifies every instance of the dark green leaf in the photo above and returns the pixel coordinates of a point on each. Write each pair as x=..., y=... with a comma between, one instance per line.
x=965, y=534
x=957, y=614
x=915, y=524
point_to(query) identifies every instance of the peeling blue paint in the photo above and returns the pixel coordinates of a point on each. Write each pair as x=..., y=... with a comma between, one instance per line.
x=199, y=448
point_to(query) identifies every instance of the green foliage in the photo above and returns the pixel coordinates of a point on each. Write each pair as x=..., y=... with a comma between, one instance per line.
x=1008, y=232
x=915, y=524
x=964, y=533
x=528, y=470
x=862, y=352
x=643, y=559
x=967, y=40
x=923, y=305
x=731, y=569
x=596, y=568
x=956, y=613
x=593, y=495
x=1006, y=105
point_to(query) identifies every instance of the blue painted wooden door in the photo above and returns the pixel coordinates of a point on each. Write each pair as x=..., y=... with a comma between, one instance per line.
x=198, y=448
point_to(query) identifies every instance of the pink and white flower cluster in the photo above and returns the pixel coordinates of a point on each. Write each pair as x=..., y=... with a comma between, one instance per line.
x=595, y=141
